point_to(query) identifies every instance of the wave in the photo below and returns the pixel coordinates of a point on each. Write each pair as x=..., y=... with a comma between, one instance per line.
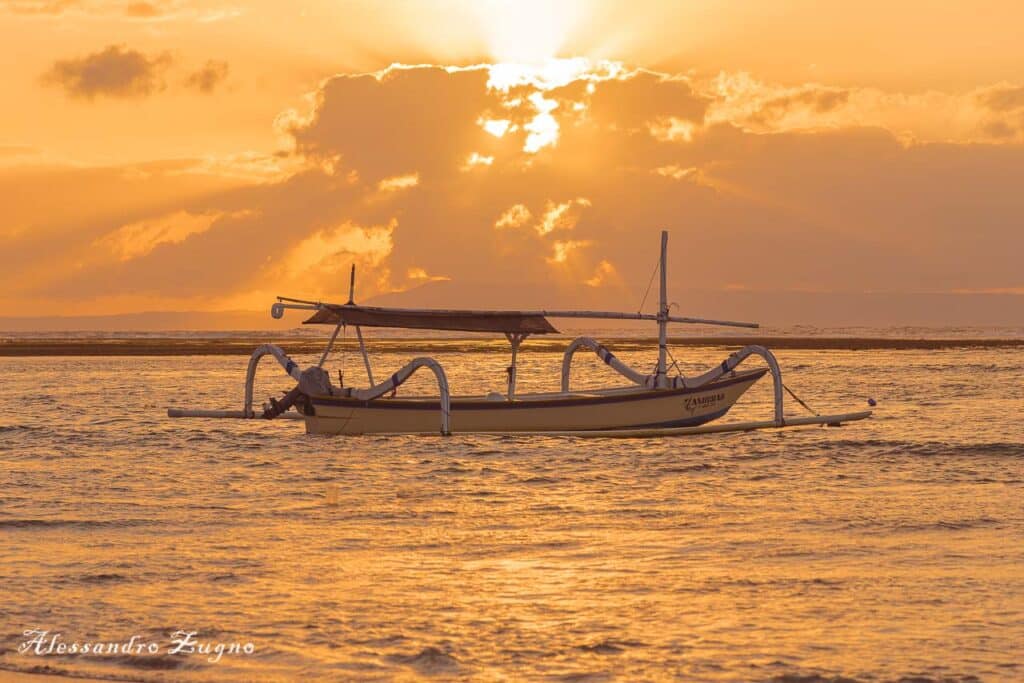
x=839, y=678
x=102, y=577
x=19, y=428
x=71, y=523
x=429, y=660
x=885, y=527
x=811, y=678
x=609, y=646
x=931, y=448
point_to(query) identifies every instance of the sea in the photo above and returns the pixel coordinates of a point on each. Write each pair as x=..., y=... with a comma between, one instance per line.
x=162, y=549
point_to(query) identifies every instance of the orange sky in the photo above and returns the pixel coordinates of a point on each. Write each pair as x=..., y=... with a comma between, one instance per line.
x=188, y=155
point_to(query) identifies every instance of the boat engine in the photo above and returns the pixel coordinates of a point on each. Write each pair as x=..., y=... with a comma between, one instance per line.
x=312, y=380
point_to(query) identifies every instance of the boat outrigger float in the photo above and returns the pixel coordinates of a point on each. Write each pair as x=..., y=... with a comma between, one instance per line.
x=651, y=405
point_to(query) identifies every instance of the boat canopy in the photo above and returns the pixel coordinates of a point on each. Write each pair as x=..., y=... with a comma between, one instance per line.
x=508, y=322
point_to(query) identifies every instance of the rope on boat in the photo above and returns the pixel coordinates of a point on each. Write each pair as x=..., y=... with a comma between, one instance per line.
x=675, y=363
x=800, y=401
x=344, y=354
x=654, y=272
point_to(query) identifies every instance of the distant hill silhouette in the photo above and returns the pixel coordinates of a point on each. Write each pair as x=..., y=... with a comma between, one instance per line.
x=776, y=309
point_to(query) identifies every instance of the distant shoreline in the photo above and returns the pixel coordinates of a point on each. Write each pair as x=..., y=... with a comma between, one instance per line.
x=243, y=347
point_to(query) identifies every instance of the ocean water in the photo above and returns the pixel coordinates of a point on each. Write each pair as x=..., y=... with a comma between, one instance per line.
x=883, y=550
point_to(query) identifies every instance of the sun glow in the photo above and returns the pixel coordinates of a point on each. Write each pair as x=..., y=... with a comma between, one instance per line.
x=511, y=78
x=527, y=31
x=496, y=127
x=543, y=128
x=551, y=73
x=477, y=159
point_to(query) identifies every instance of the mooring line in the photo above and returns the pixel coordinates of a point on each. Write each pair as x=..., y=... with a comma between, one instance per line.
x=798, y=400
x=651, y=282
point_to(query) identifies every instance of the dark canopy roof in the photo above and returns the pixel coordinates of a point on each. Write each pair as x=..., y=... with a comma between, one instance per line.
x=466, y=321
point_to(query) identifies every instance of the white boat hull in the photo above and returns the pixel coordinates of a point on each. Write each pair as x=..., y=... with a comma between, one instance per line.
x=600, y=410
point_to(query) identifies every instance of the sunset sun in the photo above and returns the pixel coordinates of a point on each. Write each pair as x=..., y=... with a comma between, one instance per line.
x=527, y=32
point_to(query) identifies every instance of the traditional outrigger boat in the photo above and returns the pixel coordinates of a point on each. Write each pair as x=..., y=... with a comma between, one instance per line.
x=653, y=404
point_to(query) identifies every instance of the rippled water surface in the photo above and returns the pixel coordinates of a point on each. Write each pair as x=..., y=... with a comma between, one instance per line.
x=885, y=549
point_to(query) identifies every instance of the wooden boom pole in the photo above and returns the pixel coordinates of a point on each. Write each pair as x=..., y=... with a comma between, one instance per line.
x=304, y=305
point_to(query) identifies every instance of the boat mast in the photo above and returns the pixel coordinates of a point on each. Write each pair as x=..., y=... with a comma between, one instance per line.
x=341, y=323
x=359, y=331
x=515, y=339
x=661, y=379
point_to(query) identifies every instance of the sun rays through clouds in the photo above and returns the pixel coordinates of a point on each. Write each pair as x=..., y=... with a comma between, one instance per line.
x=541, y=152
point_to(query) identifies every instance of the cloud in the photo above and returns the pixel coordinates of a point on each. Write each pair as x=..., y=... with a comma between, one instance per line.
x=763, y=187
x=55, y=214
x=381, y=124
x=542, y=128
x=327, y=252
x=246, y=166
x=39, y=7
x=142, y=10
x=642, y=97
x=115, y=71
x=419, y=275
x=209, y=77
x=516, y=216
x=399, y=182
x=128, y=10
x=476, y=159
x=141, y=237
x=561, y=250
x=604, y=273
x=981, y=115
x=1005, y=106
x=556, y=216
x=675, y=172
x=563, y=216
x=496, y=127
x=1002, y=97
x=812, y=99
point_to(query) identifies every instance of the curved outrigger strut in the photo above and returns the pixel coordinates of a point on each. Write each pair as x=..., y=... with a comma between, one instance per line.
x=609, y=358
x=650, y=381
x=393, y=382
x=315, y=380
x=290, y=366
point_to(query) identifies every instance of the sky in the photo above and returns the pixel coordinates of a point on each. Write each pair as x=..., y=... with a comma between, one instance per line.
x=207, y=156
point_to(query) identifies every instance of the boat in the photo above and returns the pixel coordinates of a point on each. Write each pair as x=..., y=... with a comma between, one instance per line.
x=650, y=404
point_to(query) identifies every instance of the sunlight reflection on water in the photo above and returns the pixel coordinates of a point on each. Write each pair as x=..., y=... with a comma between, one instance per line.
x=883, y=549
